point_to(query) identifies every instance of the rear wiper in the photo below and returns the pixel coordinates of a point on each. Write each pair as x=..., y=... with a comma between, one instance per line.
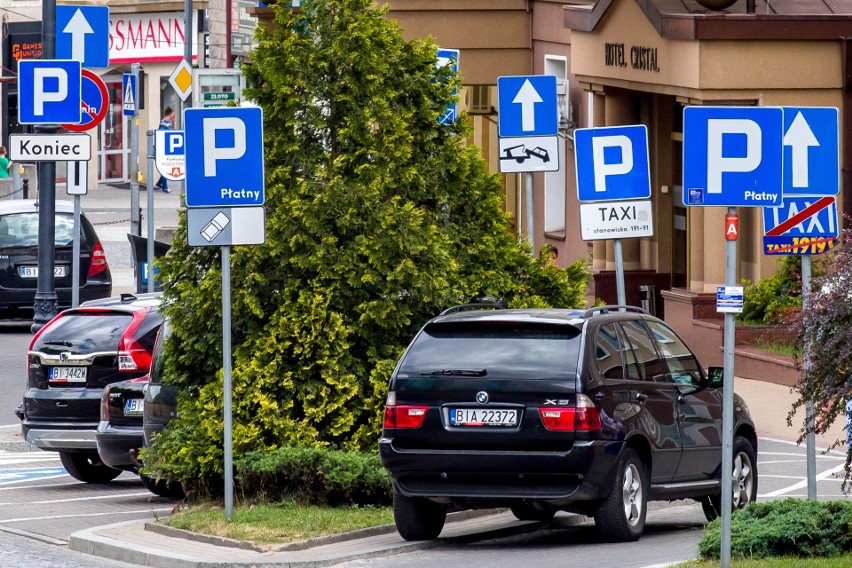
x=459, y=372
x=64, y=343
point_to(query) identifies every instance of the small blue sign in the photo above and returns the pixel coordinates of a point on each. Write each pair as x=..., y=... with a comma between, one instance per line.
x=527, y=106
x=805, y=224
x=612, y=163
x=129, y=94
x=732, y=156
x=449, y=57
x=224, y=156
x=82, y=34
x=49, y=91
x=729, y=299
x=811, y=151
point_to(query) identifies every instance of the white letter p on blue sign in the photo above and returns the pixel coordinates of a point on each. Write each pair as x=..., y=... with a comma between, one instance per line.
x=612, y=163
x=224, y=157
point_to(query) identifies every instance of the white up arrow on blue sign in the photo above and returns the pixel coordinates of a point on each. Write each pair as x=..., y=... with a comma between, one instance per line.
x=82, y=34
x=612, y=163
x=527, y=106
x=224, y=161
x=732, y=156
x=49, y=92
x=811, y=151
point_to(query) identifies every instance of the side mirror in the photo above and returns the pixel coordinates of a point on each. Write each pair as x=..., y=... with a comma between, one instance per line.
x=715, y=376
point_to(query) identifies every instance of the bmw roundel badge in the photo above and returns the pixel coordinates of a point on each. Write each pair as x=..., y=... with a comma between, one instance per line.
x=482, y=397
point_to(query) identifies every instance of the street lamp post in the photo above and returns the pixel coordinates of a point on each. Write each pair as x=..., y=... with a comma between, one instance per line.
x=46, y=304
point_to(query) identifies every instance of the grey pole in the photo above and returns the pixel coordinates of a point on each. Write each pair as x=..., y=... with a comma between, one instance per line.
x=226, y=379
x=46, y=303
x=150, y=243
x=75, y=252
x=810, y=439
x=135, y=210
x=619, y=273
x=728, y=406
x=530, y=232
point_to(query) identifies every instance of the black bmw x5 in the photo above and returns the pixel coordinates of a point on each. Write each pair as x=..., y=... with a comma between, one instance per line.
x=594, y=412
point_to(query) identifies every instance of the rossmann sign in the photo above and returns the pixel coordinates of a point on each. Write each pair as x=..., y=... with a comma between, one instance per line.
x=152, y=36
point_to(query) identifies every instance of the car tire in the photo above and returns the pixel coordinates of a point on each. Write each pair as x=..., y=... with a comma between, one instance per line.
x=525, y=512
x=417, y=518
x=163, y=488
x=621, y=516
x=743, y=481
x=87, y=468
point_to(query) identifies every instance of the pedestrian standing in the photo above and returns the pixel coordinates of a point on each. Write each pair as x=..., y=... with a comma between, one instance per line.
x=5, y=163
x=849, y=425
x=167, y=123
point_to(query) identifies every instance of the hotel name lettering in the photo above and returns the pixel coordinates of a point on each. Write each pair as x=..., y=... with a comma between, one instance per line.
x=641, y=58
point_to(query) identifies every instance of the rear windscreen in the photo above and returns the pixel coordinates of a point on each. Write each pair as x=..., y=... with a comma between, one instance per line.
x=84, y=333
x=21, y=229
x=494, y=350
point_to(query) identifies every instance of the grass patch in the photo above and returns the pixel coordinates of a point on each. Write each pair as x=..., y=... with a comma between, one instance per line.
x=779, y=348
x=279, y=523
x=786, y=562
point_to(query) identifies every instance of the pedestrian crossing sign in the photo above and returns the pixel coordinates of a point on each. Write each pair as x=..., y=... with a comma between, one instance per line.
x=128, y=94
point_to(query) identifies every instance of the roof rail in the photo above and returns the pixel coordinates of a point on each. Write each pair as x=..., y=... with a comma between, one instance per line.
x=614, y=308
x=496, y=305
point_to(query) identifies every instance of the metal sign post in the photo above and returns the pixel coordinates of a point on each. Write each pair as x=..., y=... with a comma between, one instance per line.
x=528, y=128
x=76, y=184
x=135, y=210
x=602, y=177
x=809, y=406
x=149, y=266
x=728, y=394
x=214, y=168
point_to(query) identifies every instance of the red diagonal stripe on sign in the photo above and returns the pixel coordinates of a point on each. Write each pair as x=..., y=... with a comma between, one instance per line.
x=809, y=211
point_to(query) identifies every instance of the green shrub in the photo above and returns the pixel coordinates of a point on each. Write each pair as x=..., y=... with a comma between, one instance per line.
x=767, y=300
x=789, y=527
x=313, y=476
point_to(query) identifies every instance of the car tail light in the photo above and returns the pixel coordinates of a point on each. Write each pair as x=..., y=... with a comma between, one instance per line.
x=105, y=405
x=403, y=416
x=582, y=418
x=132, y=355
x=99, y=262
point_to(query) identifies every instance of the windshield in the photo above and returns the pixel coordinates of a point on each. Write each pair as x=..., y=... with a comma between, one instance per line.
x=494, y=350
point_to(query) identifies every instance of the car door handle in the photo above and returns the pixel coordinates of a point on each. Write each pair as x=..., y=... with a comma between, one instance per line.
x=640, y=397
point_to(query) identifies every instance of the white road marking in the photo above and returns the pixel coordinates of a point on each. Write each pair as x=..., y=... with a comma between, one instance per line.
x=92, y=498
x=827, y=474
x=26, y=519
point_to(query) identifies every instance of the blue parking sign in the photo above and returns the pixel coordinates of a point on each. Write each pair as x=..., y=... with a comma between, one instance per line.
x=224, y=156
x=50, y=91
x=612, y=163
x=732, y=156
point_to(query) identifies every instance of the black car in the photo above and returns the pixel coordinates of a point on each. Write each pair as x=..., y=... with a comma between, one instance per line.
x=19, y=257
x=160, y=407
x=593, y=412
x=70, y=361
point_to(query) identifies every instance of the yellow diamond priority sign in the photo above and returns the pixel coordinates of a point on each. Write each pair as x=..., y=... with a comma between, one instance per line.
x=181, y=79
